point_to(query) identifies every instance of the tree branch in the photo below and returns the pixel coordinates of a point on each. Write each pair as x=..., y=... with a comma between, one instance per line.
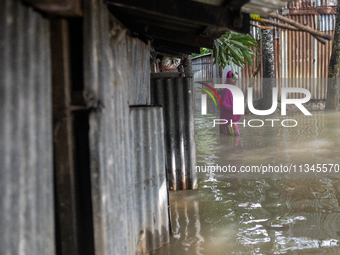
x=261, y=27
x=289, y=27
x=300, y=26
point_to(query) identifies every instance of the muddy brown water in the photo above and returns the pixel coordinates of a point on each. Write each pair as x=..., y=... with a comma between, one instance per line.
x=262, y=213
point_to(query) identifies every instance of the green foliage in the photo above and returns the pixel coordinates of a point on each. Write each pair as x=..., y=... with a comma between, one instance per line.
x=203, y=52
x=234, y=48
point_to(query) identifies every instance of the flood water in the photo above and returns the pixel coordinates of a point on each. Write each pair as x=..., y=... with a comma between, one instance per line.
x=262, y=213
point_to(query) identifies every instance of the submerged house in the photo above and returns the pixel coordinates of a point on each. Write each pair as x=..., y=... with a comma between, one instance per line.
x=90, y=140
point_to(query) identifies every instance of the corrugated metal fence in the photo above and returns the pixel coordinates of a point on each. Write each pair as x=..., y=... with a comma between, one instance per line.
x=299, y=57
x=149, y=212
x=126, y=146
x=26, y=172
x=117, y=180
x=176, y=97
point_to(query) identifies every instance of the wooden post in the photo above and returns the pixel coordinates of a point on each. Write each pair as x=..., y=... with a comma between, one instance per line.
x=268, y=67
x=332, y=100
x=62, y=139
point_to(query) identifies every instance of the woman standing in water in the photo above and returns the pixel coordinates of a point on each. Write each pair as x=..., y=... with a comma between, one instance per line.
x=227, y=108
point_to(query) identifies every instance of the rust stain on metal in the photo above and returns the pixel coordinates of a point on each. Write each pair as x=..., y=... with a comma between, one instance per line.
x=179, y=129
x=300, y=58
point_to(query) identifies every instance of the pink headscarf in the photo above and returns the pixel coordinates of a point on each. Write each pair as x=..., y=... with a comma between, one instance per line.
x=228, y=77
x=230, y=74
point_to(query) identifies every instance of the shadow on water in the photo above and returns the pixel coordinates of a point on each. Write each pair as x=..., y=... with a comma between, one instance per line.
x=262, y=213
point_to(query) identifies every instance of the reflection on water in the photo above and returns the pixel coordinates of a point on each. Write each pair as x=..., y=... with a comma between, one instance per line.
x=259, y=214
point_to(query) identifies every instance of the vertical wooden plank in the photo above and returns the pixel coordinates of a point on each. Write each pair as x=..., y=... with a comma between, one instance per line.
x=305, y=55
x=308, y=55
x=62, y=139
x=320, y=71
x=301, y=58
x=290, y=63
x=279, y=63
x=313, y=60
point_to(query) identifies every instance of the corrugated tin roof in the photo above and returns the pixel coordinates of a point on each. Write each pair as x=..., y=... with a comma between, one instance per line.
x=201, y=56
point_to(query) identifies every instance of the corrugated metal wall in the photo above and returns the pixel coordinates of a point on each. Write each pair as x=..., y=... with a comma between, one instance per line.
x=134, y=56
x=302, y=4
x=203, y=68
x=106, y=92
x=299, y=58
x=150, y=201
x=26, y=172
x=112, y=70
x=138, y=58
x=305, y=58
x=176, y=97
